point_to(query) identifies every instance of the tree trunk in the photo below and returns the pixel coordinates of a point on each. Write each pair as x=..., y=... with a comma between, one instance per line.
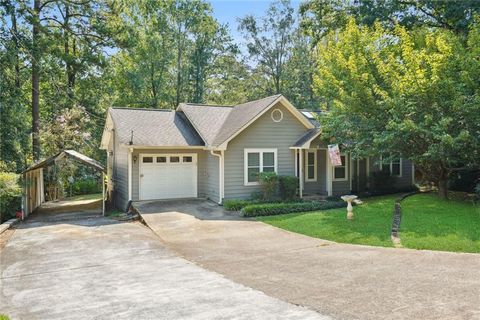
x=443, y=188
x=35, y=81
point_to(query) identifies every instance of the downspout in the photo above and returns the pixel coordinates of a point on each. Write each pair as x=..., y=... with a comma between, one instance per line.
x=130, y=173
x=220, y=174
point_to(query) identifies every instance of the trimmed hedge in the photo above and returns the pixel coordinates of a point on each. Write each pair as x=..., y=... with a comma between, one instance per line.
x=237, y=204
x=270, y=209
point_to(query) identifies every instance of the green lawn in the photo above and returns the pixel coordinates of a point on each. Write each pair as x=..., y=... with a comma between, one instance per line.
x=371, y=226
x=432, y=223
x=427, y=223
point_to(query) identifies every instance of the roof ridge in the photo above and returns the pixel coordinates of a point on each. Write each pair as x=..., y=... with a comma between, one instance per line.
x=142, y=109
x=208, y=105
x=269, y=97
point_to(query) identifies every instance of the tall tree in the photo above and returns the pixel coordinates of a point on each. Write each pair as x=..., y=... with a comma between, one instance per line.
x=35, y=20
x=405, y=93
x=269, y=40
x=321, y=16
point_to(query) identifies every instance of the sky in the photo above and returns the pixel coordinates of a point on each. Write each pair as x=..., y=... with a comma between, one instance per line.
x=227, y=12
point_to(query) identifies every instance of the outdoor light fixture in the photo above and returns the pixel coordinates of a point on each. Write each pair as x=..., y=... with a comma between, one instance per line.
x=134, y=159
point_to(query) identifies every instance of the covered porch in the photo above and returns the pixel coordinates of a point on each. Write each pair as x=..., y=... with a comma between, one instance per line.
x=318, y=178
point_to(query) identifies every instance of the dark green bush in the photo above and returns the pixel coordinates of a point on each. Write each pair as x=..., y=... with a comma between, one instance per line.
x=236, y=204
x=10, y=195
x=288, y=186
x=270, y=209
x=268, y=184
x=382, y=181
x=464, y=180
x=87, y=186
x=334, y=198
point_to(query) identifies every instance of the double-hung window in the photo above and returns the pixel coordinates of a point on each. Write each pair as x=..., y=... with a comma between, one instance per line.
x=256, y=161
x=394, y=166
x=340, y=172
x=311, y=166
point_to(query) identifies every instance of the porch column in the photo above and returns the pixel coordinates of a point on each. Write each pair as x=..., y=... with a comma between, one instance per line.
x=329, y=175
x=301, y=173
x=295, y=154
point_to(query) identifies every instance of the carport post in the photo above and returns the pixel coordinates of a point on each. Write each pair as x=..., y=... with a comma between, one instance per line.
x=103, y=194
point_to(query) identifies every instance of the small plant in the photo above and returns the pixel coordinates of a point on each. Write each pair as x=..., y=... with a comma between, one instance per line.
x=268, y=184
x=288, y=186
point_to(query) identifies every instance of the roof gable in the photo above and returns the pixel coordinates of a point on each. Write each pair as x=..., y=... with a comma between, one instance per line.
x=206, y=119
x=245, y=114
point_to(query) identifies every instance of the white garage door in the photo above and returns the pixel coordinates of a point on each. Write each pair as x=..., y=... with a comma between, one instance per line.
x=168, y=176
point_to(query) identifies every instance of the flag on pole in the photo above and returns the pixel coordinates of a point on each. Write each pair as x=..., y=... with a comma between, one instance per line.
x=334, y=154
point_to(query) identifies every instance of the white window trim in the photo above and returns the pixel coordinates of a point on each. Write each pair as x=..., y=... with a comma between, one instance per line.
x=346, y=169
x=245, y=163
x=314, y=151
x=391, y=166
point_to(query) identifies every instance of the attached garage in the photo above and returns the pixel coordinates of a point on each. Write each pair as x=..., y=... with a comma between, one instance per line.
x=168, y=176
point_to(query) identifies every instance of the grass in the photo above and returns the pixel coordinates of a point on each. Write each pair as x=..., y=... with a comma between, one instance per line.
x=93, y=196
x=371, y=226
x=428, y=222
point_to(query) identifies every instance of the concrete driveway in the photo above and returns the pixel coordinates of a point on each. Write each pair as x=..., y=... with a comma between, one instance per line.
x=103, y=269
x=340, y=280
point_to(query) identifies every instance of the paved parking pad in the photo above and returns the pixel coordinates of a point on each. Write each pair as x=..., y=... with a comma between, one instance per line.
x=102, y=269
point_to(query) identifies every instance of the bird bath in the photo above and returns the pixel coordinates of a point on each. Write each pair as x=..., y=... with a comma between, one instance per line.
x=348, y=199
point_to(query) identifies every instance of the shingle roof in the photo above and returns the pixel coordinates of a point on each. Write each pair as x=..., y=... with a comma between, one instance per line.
x=154, y=127
x=240, y=115
x=309, y=135
x=77, y=156
x=207, y=119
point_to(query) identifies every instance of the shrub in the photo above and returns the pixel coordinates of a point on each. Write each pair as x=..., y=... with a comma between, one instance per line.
x=382, y=181
x=268, y=184
x=87, y=186
x=334, y=198
x=288, y=187
x=236, y=205
x=10, y=195
x=270, y=209
x=464, y=180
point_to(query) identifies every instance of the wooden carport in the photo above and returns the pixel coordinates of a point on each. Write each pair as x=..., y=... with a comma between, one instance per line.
x=33, y=180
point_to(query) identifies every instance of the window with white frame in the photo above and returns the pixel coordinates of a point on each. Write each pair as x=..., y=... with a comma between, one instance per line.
x=256, y=161
x=311, y=165
x=340, y=172
x=394, y=166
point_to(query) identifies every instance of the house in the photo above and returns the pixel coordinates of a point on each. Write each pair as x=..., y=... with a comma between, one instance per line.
x=216, y=152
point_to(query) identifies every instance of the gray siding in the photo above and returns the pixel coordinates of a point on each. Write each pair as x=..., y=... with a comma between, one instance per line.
x=402, y=182
x=263, y=133
x=212, y=182
x=319, y=186
x=120, y=176
x=342, y=187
